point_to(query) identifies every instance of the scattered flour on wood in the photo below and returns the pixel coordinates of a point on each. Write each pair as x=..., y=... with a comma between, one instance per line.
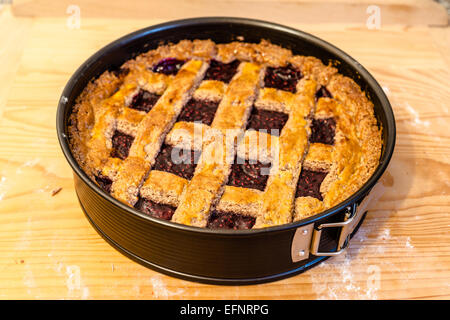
x=353, y=274
x=160, y=289
x=74, y=282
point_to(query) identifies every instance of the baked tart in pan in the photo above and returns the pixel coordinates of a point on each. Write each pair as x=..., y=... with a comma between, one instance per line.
x=225, y=150
x=294, y=136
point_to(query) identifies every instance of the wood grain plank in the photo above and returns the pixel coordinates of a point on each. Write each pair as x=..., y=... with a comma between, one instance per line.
x=338, y=11
x=13, y=43
x=50, y=251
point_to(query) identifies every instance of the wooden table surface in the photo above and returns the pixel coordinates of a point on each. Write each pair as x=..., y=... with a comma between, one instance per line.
x=48, y=250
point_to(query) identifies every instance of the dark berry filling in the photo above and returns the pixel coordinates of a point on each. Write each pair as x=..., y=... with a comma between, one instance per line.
x=199, y=110
x=178, y=161
x=283, y=78
x=322, y=131
x=309, y=184
x=272, y=121
x=144, y=100
x=221, y=71
x=104, y=183
x=161, y=211
x=323, y=93
x=168, y=66
x=248, y=174
x=121, y=143
x=229, y=220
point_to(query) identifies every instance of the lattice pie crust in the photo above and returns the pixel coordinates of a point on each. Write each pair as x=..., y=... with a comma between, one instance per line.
x=213, y=106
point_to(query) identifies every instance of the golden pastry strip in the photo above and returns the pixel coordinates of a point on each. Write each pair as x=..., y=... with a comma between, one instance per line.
x=357, y=142
x=344, y=160
x=167, y=188
x=99, y=145
x=235, y=107
x=128, y=121
x=275, y=100
x=211, y=90
x=347, y=160
x=319, y=157
x=152, y=130
x=245, y=201
x=278, y=200
x=306, y=207
x=163, y=187
x=207, y=184
x=187, y=135
x=259, y=146
x=150, y=81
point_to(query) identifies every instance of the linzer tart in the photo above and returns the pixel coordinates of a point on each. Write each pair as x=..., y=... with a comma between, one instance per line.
x=236, y=135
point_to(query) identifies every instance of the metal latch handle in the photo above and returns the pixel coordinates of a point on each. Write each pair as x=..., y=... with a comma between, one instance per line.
x=306, y=239
x=351, y=220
